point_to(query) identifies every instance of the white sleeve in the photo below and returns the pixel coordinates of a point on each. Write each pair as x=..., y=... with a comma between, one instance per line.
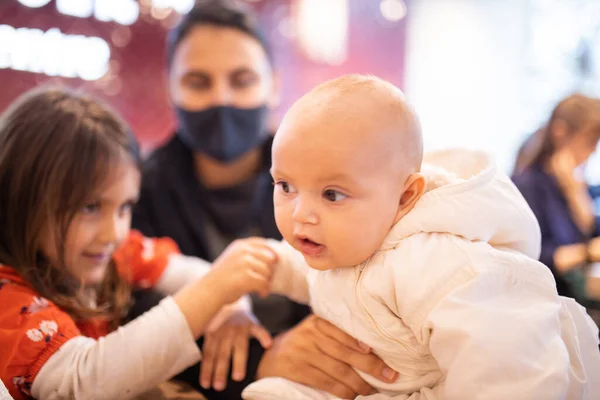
x=180, y=271
x=184, y=270
x=290, y=275
x=135, y=358
x=499, y=337
x=4, y=395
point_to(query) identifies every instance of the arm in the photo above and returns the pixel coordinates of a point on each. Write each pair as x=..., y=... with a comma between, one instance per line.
x=558, y=258
x=314, y=352
x=158, y=344
x=129, y=361
x=158, y=263
x=562, y=260
x=183, y=270
x=290, y=274
x=180, y=271
x=496, y=337
x=136, y=357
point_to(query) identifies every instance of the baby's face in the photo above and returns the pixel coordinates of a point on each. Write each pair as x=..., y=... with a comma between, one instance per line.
x=335, y=196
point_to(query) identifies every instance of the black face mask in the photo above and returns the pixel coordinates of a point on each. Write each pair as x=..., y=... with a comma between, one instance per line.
x=224, y=133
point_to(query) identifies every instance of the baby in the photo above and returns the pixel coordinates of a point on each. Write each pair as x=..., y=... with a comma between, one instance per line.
x=430, y=262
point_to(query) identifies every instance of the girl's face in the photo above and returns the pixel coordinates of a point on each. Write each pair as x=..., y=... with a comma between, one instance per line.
x=99, y=227
x=582, y=144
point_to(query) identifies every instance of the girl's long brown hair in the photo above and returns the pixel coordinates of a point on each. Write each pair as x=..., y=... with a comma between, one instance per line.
x=575, y=111
x=56, y=149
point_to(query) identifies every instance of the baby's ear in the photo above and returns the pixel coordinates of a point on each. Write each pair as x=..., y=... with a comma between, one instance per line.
x=414, y=187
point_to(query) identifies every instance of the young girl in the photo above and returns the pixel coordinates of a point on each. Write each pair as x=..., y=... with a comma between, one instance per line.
x=69, y=176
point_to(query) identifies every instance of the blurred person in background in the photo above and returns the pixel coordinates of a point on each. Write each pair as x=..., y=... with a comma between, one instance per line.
x=549, y=172
x=210, y=185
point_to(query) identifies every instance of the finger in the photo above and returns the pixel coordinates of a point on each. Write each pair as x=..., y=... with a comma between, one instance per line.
x=335, y=333
x=209, y=349
x=253, y=246
x=240, y=354
x=259, y=266
x=304, y=363
x=368, y=363
x=262, y=335
x=263, y=252
x=254, y=240
x=315, y=378
x=223, y=359
x=258, y=283
x=341, y=373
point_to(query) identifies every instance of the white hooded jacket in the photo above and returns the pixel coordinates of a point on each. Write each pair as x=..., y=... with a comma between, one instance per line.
x=455, y=300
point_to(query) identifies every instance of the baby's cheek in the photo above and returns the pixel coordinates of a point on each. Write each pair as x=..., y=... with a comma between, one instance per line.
x=282, y=219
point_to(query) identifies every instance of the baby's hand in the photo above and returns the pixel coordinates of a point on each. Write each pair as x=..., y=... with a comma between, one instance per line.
x=229, y=343
x=245, y=266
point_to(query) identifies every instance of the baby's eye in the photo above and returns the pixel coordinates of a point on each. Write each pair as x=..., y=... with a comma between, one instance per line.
x=333, y=195
x=286, y=187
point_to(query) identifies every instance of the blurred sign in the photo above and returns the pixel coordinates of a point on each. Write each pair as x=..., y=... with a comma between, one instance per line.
x=322, y=28
x=180, y=6
x=53, y=53
x=34, y=3
x=124, y=12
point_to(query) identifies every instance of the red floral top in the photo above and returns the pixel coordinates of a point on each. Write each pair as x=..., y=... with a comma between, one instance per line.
x=32, y=328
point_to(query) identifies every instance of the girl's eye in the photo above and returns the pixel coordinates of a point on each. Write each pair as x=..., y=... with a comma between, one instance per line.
x=91, y=208
x=127, y=207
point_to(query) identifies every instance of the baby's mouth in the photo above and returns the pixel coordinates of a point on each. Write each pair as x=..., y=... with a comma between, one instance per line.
x=309, y=247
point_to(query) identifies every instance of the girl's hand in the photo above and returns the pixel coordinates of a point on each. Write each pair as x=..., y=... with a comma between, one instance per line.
x=244, y=267
x=563, y=167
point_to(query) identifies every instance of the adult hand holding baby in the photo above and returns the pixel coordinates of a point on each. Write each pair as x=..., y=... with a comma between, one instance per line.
x=318, y=354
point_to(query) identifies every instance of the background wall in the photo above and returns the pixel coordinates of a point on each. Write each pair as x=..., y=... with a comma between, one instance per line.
x=135, y=84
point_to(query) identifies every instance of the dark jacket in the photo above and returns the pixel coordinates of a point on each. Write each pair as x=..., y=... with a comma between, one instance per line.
x=173, y=203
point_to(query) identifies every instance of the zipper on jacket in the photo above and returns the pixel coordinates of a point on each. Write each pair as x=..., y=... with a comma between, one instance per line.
x=406, y=347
